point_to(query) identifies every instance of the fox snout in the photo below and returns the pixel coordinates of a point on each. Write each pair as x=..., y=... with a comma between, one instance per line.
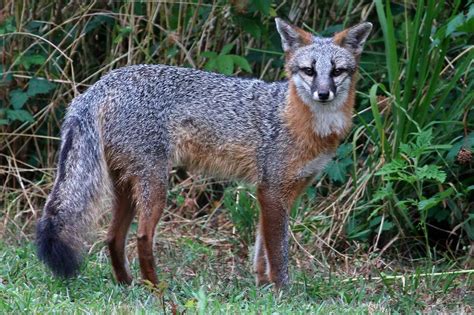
x=323, y=89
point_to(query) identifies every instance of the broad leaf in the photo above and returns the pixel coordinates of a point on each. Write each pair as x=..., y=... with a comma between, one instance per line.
x=251, y=26
x=20, y=115
x=242, y=63
x=337, y=169
x=210, y=65
x=225, y=64
x=263, y=6
x=39, y=86
x=18, y=98
x=226, y=49
x=28, y=60
x=209, y=54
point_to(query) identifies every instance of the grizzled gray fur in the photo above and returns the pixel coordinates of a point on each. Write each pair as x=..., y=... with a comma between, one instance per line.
x=137, y=122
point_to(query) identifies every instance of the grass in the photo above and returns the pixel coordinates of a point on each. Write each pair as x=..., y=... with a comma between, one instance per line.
x=198, y=278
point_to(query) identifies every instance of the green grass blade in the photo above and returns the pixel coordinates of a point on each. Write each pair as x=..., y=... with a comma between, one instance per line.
x=378, y=119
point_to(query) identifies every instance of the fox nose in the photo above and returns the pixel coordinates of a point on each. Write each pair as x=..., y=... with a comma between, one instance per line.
x=323, y=95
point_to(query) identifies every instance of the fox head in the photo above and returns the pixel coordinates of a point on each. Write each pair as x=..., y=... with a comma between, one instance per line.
x=322, y=69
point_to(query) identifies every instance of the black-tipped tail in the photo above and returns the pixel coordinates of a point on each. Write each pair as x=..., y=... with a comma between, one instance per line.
x=80, y=182
x=63, y=260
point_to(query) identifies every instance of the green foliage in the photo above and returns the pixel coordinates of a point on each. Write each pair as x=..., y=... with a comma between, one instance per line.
x=243, y=212
x=405, y=176
x=337, y=169
x=420, y=112
x=462, y=22
x=18, y=115
x=419, y=92
x=18, y=98
x=406, y=169
x=8, y=26
x=29, y=60
x=263, y=6
x=39, y=86
x=225, y=62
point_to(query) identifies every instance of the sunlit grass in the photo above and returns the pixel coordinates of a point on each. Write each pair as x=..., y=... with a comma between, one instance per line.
x=203, y=281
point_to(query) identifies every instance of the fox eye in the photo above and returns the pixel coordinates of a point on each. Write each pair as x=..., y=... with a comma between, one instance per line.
x=308, y=71
x=337, y=72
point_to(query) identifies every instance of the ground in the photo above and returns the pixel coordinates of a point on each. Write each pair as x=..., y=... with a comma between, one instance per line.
x=208, y=277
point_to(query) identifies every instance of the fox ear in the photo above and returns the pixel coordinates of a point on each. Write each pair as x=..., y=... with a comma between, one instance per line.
x=353, y=39
x=292, y=37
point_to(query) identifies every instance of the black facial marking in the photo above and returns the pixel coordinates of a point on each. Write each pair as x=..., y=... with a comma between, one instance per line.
x=314, y=85
x=323, y=85
x=332, y=86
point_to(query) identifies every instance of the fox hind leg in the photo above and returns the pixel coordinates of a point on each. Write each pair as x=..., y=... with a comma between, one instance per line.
x=123, y=213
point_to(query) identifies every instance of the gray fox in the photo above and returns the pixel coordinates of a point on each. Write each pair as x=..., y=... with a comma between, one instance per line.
x=123, y=135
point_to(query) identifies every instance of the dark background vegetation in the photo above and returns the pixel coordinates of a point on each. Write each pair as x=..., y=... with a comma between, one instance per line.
x=401, y=187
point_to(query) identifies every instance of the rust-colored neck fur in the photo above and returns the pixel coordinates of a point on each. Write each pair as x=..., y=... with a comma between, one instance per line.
x=300, y=121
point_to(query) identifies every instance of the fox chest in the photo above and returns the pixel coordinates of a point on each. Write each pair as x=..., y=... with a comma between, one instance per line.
x=315, y=166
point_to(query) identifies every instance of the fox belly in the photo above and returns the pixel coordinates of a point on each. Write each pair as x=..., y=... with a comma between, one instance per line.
x=222, y=160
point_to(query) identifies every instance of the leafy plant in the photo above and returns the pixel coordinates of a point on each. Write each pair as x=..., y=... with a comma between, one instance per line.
x=18, y=98
x=243, y=212
x=408, y=173
x=419, y=93
x=337, y=168
x=420, y=111
x=224, y=62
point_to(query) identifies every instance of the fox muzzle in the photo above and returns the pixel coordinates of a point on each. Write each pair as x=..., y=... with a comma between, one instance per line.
x=323, y=89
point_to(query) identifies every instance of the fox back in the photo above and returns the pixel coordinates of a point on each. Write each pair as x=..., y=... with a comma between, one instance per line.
x=125, y=133
x=204, y=121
